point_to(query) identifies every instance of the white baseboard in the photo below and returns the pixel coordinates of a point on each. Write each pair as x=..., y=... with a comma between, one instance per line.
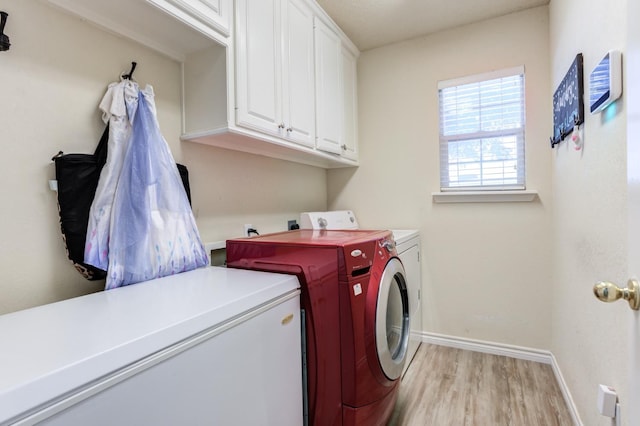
x=518, y=352
x=575, y=416
x=492, y=348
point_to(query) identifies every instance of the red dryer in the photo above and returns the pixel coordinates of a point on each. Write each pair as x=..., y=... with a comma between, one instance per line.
x=356, y=310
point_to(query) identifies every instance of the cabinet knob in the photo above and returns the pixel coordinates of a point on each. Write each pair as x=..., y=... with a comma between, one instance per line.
x=344, y=147
x=281, y=126
x=289, y=129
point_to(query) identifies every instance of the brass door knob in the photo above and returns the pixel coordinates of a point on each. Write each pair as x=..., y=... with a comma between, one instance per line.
x=609, y=292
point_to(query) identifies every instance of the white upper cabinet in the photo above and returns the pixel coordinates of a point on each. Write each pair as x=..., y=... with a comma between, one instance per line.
x=336, y=94
x=274, y=68
x=172, y=27
x=350, y=105
x=329, y=90
x=214, y=14
x=258, y=65
x=268, y=77
x=298, y=73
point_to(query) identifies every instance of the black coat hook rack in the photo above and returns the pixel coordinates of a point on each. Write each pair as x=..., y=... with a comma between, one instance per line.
x=4, y=39
x=133, y=68
x=565, y=132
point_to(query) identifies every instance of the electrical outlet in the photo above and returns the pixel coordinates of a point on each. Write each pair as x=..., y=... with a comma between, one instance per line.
x=292, y=224
x=247, y=226
x=618, y=415
x=607, y=401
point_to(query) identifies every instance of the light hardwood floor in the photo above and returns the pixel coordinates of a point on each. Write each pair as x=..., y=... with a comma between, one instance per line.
x=446, y=386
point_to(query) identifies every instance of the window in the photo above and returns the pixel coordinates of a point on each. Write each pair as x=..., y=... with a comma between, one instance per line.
x=482, y=125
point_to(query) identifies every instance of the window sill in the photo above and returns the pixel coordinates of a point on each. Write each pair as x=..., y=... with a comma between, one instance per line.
x=484, y=196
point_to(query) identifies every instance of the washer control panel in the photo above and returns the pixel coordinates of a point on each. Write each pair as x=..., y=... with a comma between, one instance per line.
x=339, y=219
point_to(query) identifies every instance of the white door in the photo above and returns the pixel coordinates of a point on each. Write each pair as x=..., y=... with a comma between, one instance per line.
x=328, y=89
x=350, y=112
x=298, y=95
x=258, y=65
x=632, y=98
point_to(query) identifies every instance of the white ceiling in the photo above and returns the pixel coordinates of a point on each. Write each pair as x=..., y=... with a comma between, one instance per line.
x=374, y=23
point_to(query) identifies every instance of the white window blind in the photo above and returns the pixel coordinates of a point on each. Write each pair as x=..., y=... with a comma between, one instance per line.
x=482, y=122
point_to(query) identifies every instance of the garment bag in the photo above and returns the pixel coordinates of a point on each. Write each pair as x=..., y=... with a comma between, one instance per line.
x=153, y=232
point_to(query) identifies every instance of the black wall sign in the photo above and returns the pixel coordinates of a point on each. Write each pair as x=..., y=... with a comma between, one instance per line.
x=568, y=102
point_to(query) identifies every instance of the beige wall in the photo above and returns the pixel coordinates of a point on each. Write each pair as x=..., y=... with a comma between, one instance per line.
x=516, y=273
x=52, y=80
x=486, y=267
x=589, y=339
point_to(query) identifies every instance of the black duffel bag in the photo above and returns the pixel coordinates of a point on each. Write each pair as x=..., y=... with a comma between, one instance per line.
x=77, y=178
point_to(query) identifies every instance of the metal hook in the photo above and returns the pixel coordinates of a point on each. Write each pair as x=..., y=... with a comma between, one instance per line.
x=576, y=120
x=133, y=68
x=4, y=39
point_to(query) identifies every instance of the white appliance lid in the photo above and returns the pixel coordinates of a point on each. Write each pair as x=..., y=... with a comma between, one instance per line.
x=402, y=235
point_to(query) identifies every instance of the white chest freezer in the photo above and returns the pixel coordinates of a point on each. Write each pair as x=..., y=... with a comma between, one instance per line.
x=210, y=346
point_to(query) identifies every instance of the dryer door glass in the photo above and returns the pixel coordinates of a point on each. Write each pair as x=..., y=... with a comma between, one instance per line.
x=392, y=320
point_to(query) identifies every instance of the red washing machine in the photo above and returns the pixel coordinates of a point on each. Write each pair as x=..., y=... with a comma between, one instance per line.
x=356, y=310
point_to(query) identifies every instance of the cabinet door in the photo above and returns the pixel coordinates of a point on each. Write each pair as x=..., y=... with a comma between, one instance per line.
x=329, y=97
x=211, y=17
x=215, y=13
x=350, y=96
x=298, y=95
x=258, y=65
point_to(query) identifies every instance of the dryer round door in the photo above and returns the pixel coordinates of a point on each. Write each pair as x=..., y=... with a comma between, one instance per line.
x=392, y=319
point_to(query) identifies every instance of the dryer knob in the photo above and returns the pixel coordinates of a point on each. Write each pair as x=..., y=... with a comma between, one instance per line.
x=388, y=244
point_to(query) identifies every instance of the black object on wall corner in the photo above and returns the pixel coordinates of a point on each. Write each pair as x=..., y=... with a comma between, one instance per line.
x=4, y=39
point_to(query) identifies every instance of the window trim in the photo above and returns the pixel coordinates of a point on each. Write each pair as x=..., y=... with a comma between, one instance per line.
x=491, y=75
x=506, y=196
x=519, y=133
